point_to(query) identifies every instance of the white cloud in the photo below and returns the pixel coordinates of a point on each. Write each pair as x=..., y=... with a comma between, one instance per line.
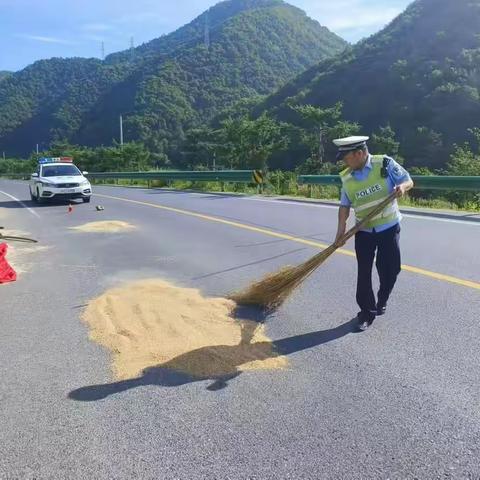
x=353, y=18
x=94, y=38
x=364, y=20
x=97, y=27
x=143, y=17
x=39, y=38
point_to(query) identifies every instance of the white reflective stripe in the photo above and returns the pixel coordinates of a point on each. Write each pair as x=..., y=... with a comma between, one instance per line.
x=366, y=206
x=390, y=210
x=384, y=214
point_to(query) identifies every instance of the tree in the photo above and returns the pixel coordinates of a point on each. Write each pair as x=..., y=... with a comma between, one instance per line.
x=131, y=156
x=465, y=159
x=383, y=142
x=320, y=127
x=423, y=147
x=10, y=165
x=248, y=143
x=200, y=148
x=424, y=171
x=318, y=121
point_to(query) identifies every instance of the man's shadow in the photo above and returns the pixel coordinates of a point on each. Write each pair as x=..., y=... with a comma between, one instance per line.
x=218, y=363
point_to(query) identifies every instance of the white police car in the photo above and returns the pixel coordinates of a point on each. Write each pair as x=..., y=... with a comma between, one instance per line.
x=60, y=179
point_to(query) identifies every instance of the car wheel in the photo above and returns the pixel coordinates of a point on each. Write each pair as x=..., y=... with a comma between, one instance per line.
x=39, y=197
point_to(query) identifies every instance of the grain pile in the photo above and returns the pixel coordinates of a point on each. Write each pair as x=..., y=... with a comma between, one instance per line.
x=152, y=323
x=108, y=226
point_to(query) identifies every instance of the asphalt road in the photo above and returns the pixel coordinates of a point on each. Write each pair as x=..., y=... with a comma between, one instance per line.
x=398, y=401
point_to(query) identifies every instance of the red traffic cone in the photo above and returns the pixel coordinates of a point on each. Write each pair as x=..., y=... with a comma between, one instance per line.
x=70, y=208
x=7, y=273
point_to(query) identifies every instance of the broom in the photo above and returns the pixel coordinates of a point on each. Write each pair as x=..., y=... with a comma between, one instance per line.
x=274, y=289
x=17, y=239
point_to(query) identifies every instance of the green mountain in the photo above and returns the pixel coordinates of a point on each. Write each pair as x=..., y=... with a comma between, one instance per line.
x=4, y=74
x=47, y=100
x=213, y=18
x=421, y=75
x=238, y=49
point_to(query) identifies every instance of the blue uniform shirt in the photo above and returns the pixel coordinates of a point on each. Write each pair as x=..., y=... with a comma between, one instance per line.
x=396, y=175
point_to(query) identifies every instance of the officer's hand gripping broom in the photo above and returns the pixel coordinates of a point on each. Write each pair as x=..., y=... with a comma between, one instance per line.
x=274, y=289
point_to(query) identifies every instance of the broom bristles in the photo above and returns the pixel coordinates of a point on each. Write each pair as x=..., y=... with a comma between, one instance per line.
x=275, y=288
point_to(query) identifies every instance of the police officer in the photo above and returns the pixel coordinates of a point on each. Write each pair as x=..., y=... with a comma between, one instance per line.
x=368, y=180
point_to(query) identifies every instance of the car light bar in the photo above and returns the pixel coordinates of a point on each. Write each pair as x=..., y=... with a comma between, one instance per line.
x=45, y=160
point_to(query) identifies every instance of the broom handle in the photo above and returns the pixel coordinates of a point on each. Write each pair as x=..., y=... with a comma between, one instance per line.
x=18, y=239
x=378, y=209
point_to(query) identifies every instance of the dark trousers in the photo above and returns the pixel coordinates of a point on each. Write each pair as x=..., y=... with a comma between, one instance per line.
x=387, y=246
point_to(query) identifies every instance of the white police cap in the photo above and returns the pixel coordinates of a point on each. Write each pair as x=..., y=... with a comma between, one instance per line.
x=349, y=144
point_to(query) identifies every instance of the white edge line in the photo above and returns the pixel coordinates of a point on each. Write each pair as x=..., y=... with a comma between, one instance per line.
x=447, y=220
x=33, y=212
x=405, y=215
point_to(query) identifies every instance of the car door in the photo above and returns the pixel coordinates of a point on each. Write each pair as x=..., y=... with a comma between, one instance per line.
x=33, y=181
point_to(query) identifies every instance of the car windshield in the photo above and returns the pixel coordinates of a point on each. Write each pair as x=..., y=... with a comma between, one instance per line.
x=60, y=171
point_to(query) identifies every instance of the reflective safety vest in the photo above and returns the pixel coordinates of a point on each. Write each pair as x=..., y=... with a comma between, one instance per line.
x=365, y=195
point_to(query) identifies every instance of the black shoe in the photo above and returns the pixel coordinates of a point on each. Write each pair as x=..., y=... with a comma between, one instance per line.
x=381, y=309
x=364, y=320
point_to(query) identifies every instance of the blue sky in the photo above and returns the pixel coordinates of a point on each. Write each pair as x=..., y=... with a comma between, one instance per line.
x=36, y=29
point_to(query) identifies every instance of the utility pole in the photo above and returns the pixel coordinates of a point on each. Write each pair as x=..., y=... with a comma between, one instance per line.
x=37, y=148
x=321, y=150
x=103, y=50
x=4, y=155
x=132, y=48
x=121, y=131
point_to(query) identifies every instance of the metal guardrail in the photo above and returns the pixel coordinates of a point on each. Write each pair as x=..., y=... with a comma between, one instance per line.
x=16, y=176
x=470, y=184
x=233, y=176
x=433, y=182
x=319, y=180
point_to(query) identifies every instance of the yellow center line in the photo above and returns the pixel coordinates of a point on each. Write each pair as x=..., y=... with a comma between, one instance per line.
x=284, y=236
